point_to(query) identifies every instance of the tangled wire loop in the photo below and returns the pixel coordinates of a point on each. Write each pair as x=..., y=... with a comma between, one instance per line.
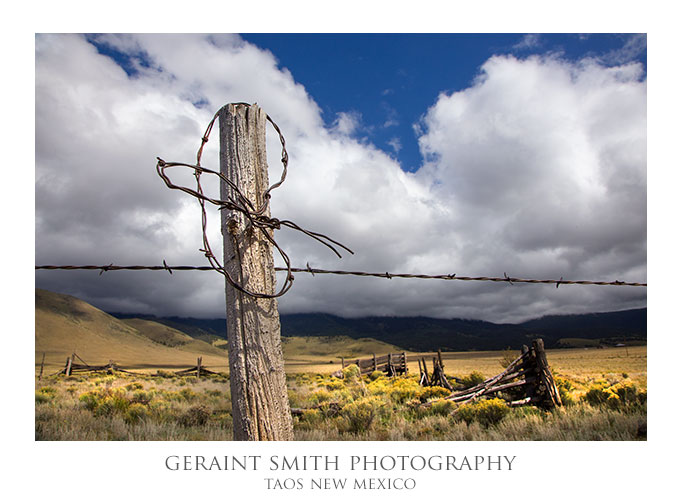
x=255, y=217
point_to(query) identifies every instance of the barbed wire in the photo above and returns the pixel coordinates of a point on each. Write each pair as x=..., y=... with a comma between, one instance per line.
x=313, y=271
x=257, y=217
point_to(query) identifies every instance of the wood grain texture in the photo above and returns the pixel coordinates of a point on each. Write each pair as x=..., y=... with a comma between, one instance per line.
x=260, y=404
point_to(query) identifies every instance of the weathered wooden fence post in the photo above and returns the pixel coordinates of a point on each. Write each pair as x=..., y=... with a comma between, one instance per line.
x=199, y=366
x=42, y=364
x=69, y=362
x=426, y=372
x=547, y=389
x=260, y=404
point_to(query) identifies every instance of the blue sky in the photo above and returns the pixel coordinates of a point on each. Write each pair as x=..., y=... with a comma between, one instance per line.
x=469, y=154
x=391, y=79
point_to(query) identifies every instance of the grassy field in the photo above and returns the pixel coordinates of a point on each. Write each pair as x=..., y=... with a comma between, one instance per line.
x=65, y=324
x=604, y=391
x=574, y=363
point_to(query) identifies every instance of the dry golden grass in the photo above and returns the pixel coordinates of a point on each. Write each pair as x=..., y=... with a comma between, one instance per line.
x=65, y=324
x=585, y=363
x=164, y=407
x=125, y=407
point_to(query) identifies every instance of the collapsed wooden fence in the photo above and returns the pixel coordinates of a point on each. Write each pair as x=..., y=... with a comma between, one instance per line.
x=529, y=375
x=437, y=377
x=71, y=368
x=198, y=370
x=392, y=364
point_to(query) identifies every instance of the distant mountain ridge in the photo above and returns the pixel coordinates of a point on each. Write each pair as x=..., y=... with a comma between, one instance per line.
x=429, y=334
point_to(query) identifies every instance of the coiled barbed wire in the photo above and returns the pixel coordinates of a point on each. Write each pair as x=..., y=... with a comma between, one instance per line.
x=256, y=217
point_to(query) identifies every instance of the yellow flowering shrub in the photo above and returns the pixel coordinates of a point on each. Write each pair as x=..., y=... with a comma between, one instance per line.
x=359, y=415
x=396, y=389
x=617, y=396
x=332, y=383
x=351, y=372
x=485, y=412
x=441, y=408
x=566, y=390
x=321, y=396
x=472, y=379
x=377, y=374
x=136, y=413
x=431, y=392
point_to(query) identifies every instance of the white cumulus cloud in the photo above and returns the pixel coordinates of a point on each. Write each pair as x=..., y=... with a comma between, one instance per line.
x=537, y=169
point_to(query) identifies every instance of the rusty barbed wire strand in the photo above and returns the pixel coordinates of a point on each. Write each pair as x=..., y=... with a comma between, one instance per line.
x=385, y=275
x=256, y=216
x=258, y=219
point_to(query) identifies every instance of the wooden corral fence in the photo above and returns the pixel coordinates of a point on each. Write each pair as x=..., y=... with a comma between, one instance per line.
x=437, y=377
x=71, y=367
x=392, y=364
x=529, y=375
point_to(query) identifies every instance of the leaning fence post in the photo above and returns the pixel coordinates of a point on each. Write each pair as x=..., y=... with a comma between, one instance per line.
x=260, y=403
x=42, y=364
x=199, y=366
x=69, y=362
x=548, y=392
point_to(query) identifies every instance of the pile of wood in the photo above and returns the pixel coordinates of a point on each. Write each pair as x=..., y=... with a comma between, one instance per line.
x=528, y=373
x=392, y=364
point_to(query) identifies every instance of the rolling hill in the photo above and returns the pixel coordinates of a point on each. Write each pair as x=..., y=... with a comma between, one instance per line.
x=65, y=324
x=167, y=336
x=334, y=347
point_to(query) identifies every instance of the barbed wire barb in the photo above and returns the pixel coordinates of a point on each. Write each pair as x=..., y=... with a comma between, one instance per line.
x=314, y=271
x=256, y=217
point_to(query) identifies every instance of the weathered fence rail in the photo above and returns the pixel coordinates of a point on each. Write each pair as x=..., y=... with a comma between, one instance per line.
x=392, y=364
x=198, y=370
x=529, y=373
x=71, y=368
